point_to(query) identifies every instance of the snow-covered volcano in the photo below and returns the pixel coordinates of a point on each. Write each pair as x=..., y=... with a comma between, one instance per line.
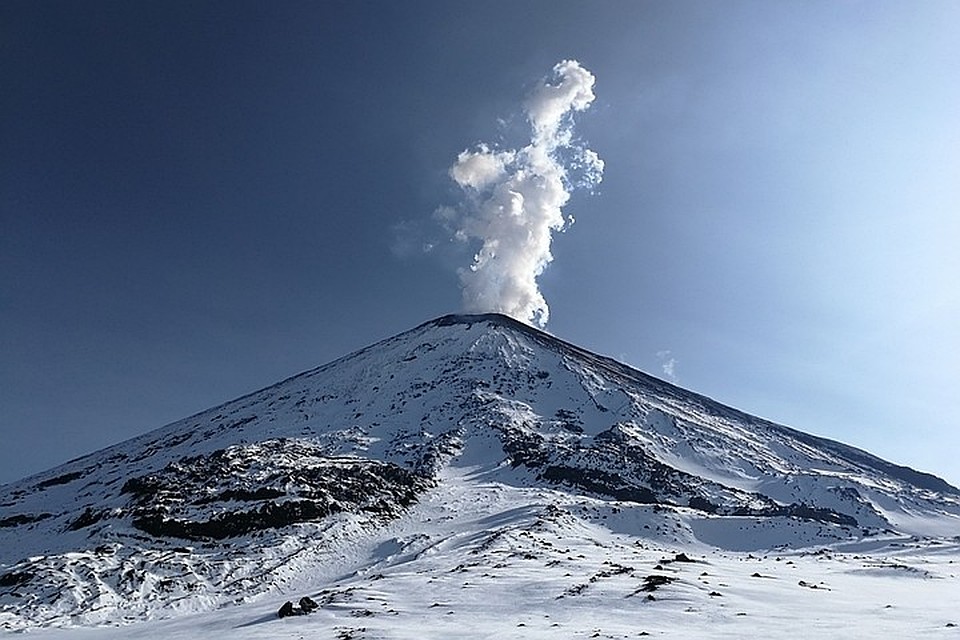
x=376, y=459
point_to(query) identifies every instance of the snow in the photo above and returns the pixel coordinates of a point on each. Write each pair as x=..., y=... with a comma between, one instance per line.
x=466, y=414
x=478, y=559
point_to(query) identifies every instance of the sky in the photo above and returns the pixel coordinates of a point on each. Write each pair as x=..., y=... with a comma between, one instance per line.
x=199, y=199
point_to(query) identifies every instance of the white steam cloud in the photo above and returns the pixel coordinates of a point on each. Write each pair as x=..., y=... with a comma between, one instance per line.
x=668, y=364
x=514, y=199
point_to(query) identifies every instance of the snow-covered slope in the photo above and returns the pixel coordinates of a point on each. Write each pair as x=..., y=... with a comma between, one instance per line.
x=453, y=438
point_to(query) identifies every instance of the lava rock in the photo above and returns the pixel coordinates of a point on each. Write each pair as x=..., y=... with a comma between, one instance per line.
x=287, y=610
x=307, y=604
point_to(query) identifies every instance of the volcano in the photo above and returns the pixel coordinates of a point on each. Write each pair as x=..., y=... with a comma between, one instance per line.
x=469, y=445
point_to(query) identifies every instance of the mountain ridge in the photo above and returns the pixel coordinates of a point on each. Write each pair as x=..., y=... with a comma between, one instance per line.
x=921, y=479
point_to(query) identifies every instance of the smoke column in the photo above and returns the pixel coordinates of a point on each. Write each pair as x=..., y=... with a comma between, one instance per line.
x=514, y=199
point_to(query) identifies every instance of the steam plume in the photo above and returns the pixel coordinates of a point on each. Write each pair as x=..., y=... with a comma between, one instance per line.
x=668, y=365
x=514, y=199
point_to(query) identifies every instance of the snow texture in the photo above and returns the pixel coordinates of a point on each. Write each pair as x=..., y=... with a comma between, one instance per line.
x=477, y=476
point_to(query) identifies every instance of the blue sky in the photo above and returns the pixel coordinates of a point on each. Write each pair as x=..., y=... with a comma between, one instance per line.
x=198, y=199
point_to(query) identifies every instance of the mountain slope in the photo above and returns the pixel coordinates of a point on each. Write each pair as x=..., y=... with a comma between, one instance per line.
x=301, y=478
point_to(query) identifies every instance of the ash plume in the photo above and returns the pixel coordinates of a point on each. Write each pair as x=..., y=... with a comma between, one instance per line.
x=514, y=199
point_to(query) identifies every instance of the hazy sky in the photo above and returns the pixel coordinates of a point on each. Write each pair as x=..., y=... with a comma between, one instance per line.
x=199, y=199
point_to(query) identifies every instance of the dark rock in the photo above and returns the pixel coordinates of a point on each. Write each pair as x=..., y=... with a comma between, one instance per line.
x=237, y=503
x=654, y=582
x=598, y=481
x=241, y=495
x=64, y=479
x=23, y=518
x=702, y=504
x=307, y=604
x=87, y=518
x=14, y=578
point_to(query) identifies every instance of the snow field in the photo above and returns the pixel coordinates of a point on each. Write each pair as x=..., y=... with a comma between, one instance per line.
x=483, y=560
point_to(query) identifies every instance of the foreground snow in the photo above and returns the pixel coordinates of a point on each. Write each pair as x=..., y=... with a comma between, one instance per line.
x=484, y=559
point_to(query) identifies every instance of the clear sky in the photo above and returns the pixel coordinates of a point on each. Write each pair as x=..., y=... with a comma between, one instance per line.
x=199, y=199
